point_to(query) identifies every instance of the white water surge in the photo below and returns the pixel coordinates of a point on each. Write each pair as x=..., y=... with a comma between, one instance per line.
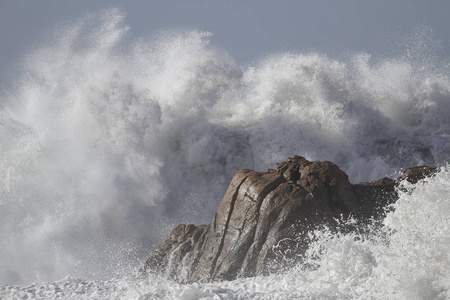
x=107, y=143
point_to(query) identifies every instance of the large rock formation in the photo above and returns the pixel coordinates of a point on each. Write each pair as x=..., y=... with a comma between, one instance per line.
x=263, y=221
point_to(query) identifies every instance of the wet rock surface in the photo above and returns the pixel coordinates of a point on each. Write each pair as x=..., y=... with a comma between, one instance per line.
x=263, y=221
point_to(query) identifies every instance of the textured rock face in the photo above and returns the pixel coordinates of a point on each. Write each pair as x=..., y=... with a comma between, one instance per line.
x=264, y=219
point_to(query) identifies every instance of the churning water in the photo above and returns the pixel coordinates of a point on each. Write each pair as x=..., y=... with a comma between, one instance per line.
x=108, y=142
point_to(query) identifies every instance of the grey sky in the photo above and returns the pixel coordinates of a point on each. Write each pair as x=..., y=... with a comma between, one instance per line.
x=246, y=29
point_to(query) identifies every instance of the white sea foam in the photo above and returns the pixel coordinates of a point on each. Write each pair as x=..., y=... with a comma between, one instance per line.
x=107, y=143
x=408, y=259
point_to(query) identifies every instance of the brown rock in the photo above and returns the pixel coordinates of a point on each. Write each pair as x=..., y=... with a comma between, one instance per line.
x=413, y=175
x=263, y=221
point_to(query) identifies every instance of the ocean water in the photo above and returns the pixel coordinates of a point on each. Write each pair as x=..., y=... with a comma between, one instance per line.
x=108, y=142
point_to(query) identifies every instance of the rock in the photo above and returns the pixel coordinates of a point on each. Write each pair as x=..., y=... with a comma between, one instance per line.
x=263, y=221
x=413, y=175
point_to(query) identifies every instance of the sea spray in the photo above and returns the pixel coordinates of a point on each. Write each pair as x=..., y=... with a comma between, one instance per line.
x=405, y=259
x=108, y=142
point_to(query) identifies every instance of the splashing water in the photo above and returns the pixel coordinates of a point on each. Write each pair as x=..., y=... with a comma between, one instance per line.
x=107, y=143
x=407, y=259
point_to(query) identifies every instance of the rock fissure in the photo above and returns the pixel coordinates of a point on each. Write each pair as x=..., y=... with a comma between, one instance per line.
x=219, y=251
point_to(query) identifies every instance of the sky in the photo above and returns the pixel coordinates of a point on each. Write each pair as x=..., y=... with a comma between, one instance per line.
x=246, y=29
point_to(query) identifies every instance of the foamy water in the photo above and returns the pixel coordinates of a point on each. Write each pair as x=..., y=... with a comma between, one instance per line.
x=408, y=259
x=108, y=143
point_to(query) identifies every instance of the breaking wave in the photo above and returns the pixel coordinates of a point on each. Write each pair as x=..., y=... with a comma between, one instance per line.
x=108, y=142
